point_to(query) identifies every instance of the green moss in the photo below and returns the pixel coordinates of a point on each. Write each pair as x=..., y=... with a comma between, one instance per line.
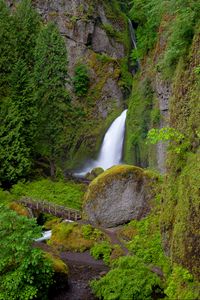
x=74, y=237
x=180, y=218
x=49, y=224
x=58, y=265
x=140, y=118
x=94, y=173
x=116, y=173
x=117, y=252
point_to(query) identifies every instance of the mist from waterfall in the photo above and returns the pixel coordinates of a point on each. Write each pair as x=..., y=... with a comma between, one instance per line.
x=112, y=147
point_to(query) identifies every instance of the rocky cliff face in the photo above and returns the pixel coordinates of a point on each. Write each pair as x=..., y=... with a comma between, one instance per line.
x=177, y=101
x=163, y=92
x=85, y=27
x=95, y=34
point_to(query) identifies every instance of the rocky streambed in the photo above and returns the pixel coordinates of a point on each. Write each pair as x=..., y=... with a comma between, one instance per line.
x=82, y=269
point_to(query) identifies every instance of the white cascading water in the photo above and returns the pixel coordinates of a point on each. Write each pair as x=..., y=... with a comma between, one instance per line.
x=112, y=147
x=133, y=40
x=132, y=33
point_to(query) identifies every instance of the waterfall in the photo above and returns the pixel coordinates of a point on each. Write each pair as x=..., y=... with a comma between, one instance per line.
x=112, y=147
x=133, y=40
x=45, y=236
x=132, y=33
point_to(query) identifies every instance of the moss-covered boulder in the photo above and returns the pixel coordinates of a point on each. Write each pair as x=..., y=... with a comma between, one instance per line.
x=61, y=273
x=74, y=237
x=94, y=173
x=119, y=195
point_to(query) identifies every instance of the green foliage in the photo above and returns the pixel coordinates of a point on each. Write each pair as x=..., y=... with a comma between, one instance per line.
x=14, y=154
x=151, y=15
x=50, y=74
x=182, y=285
x=26, y=22
x=5, y=197
x=109, y=30
x=147, y=242
x=181, y=35
x=102, y=251
x=148, y=14
x=7, y=50
x=128, y=279
x=18, y=110
x=68, y=194
x=125, y=79
x=24, y=272
x=81, y=80
x=169, y=134
x=90, y=232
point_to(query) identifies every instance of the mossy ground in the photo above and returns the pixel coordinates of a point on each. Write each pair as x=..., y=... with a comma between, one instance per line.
x=74, y=237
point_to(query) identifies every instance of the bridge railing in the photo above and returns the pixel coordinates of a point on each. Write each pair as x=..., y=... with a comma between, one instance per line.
x=51, y=208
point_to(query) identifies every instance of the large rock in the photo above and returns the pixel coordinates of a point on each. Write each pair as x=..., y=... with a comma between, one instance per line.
x=118, y=195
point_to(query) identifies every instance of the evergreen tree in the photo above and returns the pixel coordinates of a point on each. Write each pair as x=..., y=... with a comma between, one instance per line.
x=7, y=49
x=18, y=114
x=50, y=75
x=17, y=130
x=27, y=26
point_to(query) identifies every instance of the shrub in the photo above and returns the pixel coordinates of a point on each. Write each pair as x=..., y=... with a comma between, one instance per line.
x=146, y=243
x=81, y=80
x=129, y=279
x=102, y=251
x=24, y=271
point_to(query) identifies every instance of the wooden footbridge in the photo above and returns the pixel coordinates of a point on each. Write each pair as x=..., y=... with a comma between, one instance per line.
x=51, y=208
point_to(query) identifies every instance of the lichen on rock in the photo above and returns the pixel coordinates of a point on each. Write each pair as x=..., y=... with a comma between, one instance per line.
x=118, y=195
